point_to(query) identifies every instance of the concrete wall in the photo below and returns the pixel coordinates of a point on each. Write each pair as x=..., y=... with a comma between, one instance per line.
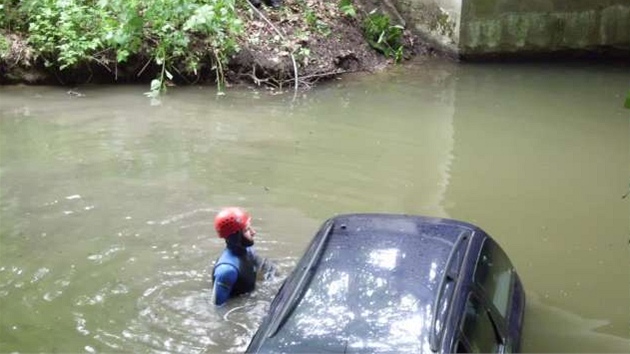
x=487, y=27
x=436, y=21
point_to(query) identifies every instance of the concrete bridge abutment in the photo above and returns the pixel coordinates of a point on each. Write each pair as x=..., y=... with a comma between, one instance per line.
x=480, y=28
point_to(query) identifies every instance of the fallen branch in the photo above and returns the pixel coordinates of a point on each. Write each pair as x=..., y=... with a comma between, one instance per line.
x=309, y=80
x=255, y=78
x=101, y=63
x=329, y=73
x=295, y=70
x=181, y=75
x=144, y=67
x=269, y=81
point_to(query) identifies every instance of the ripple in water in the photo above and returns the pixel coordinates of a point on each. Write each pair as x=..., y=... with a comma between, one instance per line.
x=173, y=312
x=176, y=315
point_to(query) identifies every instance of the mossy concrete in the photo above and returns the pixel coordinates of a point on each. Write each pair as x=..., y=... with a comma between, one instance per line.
x=436, y=21
x=469, y=28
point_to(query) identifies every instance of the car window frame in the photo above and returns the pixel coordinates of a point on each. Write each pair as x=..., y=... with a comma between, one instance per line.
x=502, y=340
x=487, y=240
x=499, y=321
x=479, y=287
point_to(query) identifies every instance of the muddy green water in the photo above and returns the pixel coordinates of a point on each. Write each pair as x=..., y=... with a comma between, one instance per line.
x=107, y=201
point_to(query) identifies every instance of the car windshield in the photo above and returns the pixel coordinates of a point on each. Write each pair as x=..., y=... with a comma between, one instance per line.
x=373, y=290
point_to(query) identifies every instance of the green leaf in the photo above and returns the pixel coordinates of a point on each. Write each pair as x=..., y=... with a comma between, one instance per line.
x=122, y=55
x=136, y=23
x=380, y=38
x=156, y=85
x=347, y=8
x=627, y=103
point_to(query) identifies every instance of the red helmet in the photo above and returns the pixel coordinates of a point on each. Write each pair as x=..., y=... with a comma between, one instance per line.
x=230, y=221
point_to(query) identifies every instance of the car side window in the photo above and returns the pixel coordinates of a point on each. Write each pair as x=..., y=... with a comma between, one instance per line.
x=479, y=334
x=494, y=274
x=462, y=346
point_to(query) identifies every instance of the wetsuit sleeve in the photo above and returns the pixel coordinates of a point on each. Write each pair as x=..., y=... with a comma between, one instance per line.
x=265, y=268
x=225, y=276
x=256, y=259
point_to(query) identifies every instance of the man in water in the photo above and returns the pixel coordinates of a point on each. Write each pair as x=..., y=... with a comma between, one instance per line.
x=235, y=271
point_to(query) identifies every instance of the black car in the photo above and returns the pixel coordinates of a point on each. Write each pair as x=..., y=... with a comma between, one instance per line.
x=396, y=283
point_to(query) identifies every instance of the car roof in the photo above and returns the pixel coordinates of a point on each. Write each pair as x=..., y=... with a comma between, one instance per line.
x=373, y=285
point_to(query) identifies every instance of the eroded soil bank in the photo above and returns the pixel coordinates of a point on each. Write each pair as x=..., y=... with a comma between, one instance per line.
x=301, y=42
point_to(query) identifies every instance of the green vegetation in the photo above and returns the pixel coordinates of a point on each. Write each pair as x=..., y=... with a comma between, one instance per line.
x=175, y=40
x=4, y=46
x=315, y=23
x=2, y=16
x=65, y=31
x=627, y=103
x=383, y=36
x=380, y=34
x=7, y=13
x=347, y=8
x=175, y=35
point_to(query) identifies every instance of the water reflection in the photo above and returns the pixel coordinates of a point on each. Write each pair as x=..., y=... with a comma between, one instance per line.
x=343, y=317
x=384, y=258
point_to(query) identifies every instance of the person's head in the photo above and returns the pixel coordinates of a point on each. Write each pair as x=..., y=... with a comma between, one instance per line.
x=234, y=225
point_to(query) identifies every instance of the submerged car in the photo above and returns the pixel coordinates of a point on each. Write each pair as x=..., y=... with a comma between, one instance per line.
x=396, y=283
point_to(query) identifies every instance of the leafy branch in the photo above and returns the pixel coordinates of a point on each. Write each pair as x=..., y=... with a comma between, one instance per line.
x=383, y=36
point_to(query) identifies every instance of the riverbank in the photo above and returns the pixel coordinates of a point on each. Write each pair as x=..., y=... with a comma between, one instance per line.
x=302, y=42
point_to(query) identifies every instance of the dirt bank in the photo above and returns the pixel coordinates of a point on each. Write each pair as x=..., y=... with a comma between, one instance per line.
x=316, y=39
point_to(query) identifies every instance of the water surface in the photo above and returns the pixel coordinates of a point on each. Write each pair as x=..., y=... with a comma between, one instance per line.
x=107, y=201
